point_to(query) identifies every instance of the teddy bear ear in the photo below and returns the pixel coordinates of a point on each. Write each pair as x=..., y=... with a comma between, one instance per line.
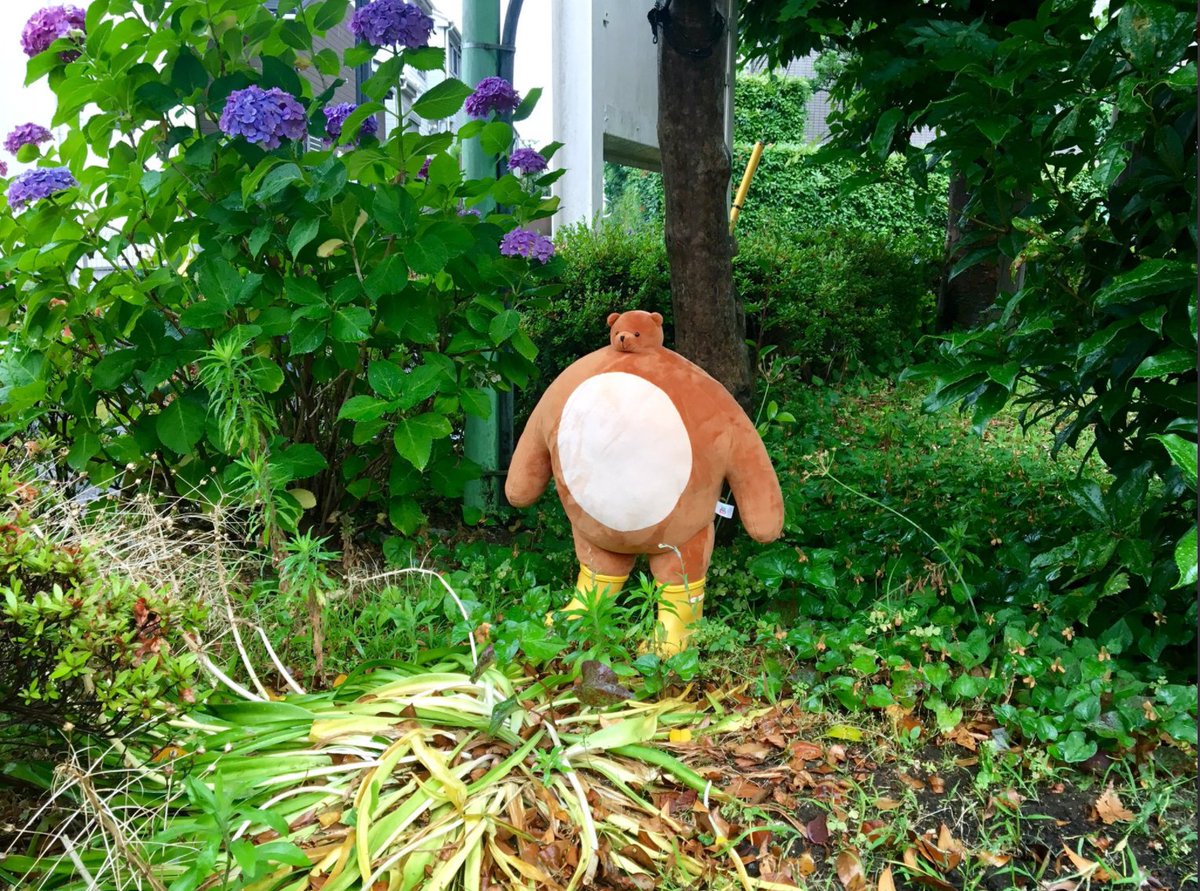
x=657, y=316
x=612, y=317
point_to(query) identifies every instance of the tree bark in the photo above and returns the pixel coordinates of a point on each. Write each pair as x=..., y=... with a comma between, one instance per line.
x=963, y=301
x=710, y=327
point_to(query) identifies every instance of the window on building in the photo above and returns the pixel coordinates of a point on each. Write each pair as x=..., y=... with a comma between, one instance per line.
x=454, y=60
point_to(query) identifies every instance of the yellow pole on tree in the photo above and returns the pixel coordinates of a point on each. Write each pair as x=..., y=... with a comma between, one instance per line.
x=751, y=166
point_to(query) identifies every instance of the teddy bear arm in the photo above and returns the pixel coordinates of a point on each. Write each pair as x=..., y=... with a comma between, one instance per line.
x=755, y=487
x=530, y=470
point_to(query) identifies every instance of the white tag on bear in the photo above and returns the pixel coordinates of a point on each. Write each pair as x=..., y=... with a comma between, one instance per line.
x=724, y=510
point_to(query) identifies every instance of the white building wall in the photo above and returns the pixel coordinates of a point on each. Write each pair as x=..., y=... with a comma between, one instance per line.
x=605, y=71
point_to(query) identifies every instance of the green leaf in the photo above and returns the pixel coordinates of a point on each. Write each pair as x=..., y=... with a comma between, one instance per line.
x=187, y=73
x=406, y=514
x=181, y=425
x=1185, y=559
x=114, y=369
x=306, y=335
x=296, y=462
x=1150, y=278
x=881, y=141
x=353, y=124
x=329, y=14
x=947, y=718
x=278, y=179
x=205, y=314
x=302, y=233
x=442, y=100
x=426, y=58
x=220, y=282
x=995, y=129
x=1117, y=638
x=395, y=209
x=1074, y=749
x=258, y=238
x=386, y=378
x=496, y=138
x=968, y=686
x=351, y=324
x=414, y=437
x=1183, y=455
x=525, y=109
x=1175, y=360
x=1005, y=375
x=476, y=402
x=426, y=255
x=85, y=447
x=384, y=78
x=421, y=383
x=504, y=326
x=388, y=277
x=363, y=408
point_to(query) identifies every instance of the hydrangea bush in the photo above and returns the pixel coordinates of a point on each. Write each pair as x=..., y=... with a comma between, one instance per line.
x=196, y=299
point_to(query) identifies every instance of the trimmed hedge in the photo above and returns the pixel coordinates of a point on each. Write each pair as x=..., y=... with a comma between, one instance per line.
x=826, y=299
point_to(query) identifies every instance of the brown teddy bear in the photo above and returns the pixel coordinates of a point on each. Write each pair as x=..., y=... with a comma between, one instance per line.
x=640, y=442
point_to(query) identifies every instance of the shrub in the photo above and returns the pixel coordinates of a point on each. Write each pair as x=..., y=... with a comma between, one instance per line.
x=831, y=299
x=604, y=269
x=307, y=327
x=827, y=299
x=770, y=109
x=796, y=190
x=81, y=644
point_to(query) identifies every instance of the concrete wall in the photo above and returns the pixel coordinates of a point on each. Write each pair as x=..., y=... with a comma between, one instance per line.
x=605, y=100
x=605, y=71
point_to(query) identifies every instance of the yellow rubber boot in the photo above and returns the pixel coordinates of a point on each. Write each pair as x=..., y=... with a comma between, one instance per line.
x=679, y=609
x=588, y=582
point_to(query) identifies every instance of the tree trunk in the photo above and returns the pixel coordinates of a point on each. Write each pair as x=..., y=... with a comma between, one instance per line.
x=710, y=328
x=963, y=301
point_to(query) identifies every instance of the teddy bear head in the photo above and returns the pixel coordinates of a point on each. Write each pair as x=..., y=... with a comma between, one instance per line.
x=635, y=331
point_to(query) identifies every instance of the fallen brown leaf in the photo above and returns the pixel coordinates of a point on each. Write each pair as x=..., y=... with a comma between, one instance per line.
x=1088, y=869
x=886, y=882
x=936, y=784
x=806, y=751
x=1109, y=807
x=990, y=859
x=850, y=871
x=886, y=804
x=818, y=830
x=912, y=782
x=805, y=864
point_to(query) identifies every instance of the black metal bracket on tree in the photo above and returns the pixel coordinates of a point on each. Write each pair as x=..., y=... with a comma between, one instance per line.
x=660, y=19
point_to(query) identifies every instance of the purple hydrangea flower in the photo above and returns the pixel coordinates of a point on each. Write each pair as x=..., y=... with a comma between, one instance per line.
x=266, y=117
x=47, y=25
x=40, y=182
x=423, y=173
x=470, y=212
x=335, y=117
x=387, y=22
x=492, y=94
x=527, y=243
x=3, y=169
x=26, y=134
x=526, y=162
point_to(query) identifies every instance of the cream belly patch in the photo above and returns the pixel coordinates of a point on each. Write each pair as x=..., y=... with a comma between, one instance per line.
x=623, y=450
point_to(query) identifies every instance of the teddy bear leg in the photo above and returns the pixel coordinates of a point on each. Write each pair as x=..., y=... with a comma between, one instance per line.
x=601, y=573
x=681, y=602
